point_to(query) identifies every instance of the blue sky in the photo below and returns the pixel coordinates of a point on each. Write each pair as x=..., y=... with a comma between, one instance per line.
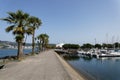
x=69, y=21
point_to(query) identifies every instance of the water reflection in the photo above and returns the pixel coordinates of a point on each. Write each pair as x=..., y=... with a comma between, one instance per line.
x=76, y=57
x=71, y=58
x=113, y=59
x=105, y=68
x=87, y=58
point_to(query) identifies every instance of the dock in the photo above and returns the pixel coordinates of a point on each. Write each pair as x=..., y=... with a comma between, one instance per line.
x=47, y=65
x=99, y=54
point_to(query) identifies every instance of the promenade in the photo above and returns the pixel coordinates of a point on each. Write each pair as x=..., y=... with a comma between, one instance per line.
x=45, y=66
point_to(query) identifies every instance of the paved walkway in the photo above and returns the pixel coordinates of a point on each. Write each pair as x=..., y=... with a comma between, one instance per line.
x=45, y=66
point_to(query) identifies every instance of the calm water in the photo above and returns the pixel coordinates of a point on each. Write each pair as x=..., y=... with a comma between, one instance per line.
x=100, y=69
x=11, y=52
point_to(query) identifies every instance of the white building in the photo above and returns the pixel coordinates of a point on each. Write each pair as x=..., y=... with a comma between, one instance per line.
x=59, y=45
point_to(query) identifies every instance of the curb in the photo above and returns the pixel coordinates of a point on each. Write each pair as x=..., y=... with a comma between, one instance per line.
x=71, y=72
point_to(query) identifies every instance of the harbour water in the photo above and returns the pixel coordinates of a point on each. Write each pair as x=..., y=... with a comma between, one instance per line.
x=12, y=52
x=107, y=68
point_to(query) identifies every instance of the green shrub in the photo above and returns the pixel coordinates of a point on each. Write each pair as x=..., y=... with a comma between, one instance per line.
x=71, y=46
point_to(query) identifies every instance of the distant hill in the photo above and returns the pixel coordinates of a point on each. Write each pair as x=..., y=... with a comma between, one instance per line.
x=4, y=43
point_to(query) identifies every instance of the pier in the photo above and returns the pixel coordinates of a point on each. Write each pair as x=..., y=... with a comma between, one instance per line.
x=100, y=53
x=47, y=65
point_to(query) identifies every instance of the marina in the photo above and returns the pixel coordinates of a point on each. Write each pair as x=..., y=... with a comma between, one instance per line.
x=96, y=68
x=99, y=53
x=91, y=53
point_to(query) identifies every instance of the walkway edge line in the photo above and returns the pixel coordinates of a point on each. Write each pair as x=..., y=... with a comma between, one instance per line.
x=73, y=74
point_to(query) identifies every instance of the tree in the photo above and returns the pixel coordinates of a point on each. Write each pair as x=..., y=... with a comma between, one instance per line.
x=33, y=24
x=104, y=45
x=71, y=46
x=18, y=21
x=116, y=45
x=110, y=45
x=87, y=46
x=98, y=46
x=44, y=40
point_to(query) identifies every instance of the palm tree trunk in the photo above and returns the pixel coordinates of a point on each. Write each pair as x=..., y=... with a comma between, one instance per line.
x=43, y=45
x=20, y=51
x=33, y=42
x=40, y=49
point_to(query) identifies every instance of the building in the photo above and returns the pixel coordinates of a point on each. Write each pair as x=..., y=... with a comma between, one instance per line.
x=59, y=45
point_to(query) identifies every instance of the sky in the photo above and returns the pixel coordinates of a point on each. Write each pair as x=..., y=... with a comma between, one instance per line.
x=68, y=21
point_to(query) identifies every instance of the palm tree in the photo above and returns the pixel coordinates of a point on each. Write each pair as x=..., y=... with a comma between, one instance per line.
x=40, y=38
x=44, y=40
x=34, y=24
x=18, y=21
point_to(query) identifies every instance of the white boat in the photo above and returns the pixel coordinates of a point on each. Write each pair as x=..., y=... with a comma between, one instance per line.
x=81, y=52
x=115, y=53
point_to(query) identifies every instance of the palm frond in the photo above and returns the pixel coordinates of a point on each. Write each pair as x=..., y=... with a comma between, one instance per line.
x=29, y=30
x=10, y=28
x=18, y=30
x=19, y=38
x=34, y=22
x=7, y=20
x=12, y=15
